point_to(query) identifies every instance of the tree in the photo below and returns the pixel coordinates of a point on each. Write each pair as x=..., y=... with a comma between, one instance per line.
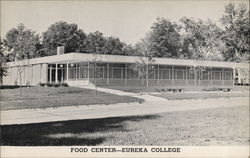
x=144, y=66
x=22, y=43
x=236, y=34
x=129, y=50
x=163, y=39
x=201, y=40
x=143, y=47
x=63, y=34
x=113, y=46
x=3, y=70
x=93, y=69
x=95, y=43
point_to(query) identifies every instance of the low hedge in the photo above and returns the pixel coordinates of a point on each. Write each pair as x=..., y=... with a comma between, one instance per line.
x=53, y=84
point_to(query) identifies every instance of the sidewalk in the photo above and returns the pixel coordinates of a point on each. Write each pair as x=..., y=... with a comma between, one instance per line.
x=151, y=106
x=146, y=97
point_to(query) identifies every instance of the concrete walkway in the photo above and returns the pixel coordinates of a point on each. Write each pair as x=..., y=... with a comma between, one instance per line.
x=151, y=106
x=146, y=97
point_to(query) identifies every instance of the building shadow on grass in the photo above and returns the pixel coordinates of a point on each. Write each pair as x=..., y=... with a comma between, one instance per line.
x=46, y=134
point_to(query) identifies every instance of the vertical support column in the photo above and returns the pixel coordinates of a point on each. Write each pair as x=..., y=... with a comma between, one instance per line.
x=62, y=74
x=67, y=71
x=158, y=75
x=186, y=76
x=233, y=76
x=112, y=75
x=222, y=77
x=103, y=72
x=172, y=75
x=121, y=73
x=32, y=75
x=88, y=73
x=126, y=74
x=200, y=76
x=195, y=76
x=108, y=73
x=147, y=75
x=56, y=74
x=76, y=72
x=211, y=76
x=239, y=76
x=24, y=76
x=50, y=74
x=17, y=73
x=79, y=71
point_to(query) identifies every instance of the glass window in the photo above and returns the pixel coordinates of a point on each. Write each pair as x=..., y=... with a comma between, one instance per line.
x=179, y=74
x=165, y=74
x=152, y=74
x=216, y=75
x=117, y=73
x=206, y=75
x=133, y=74
x=228, y=75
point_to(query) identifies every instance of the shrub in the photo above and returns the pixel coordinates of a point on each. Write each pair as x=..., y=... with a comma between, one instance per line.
x=54, y=84
x=65, y=85
x=42, y=84
x=49, y=84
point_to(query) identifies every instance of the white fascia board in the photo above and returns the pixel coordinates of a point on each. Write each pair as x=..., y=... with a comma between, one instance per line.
x=48, y=59
x=159, y=61
x=82, y=57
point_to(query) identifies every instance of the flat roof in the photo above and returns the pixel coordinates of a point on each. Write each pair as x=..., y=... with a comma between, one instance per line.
x=83, y=57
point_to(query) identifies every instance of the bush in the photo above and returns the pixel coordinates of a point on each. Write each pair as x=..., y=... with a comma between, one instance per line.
x=54, y=84
x=65, y=85
x=49, y=84
x=42, y=84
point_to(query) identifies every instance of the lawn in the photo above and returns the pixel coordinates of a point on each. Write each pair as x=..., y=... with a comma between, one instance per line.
x=237, y=91
x=43, y=97
x=200, y=95
x=151, y=89
x=220, y=126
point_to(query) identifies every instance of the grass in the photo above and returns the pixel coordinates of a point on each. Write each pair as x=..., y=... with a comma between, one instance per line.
x=220, y=126
x=43, y=97
x=200, y=95
x=150, y=89
x=237, y=91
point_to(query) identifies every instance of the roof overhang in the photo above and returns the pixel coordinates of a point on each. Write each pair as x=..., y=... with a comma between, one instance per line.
x=82, y=57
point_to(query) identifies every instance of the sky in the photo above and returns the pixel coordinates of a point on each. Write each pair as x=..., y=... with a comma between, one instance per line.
x=127, y=20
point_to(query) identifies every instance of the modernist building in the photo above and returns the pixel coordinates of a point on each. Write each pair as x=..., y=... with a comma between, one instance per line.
x=87, y=69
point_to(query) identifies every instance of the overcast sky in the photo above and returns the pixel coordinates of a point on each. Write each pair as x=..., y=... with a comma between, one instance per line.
x=127, y=20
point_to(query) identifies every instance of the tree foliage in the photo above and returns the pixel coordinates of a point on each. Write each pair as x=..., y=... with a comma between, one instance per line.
x=63, y=34
x=114, y=46
x=129, y=50
x=201, y=40
x=162, y=41
x=95, y=43
x=237, y=32
x=22, y=43
x=191, y=39
x=3, y=70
